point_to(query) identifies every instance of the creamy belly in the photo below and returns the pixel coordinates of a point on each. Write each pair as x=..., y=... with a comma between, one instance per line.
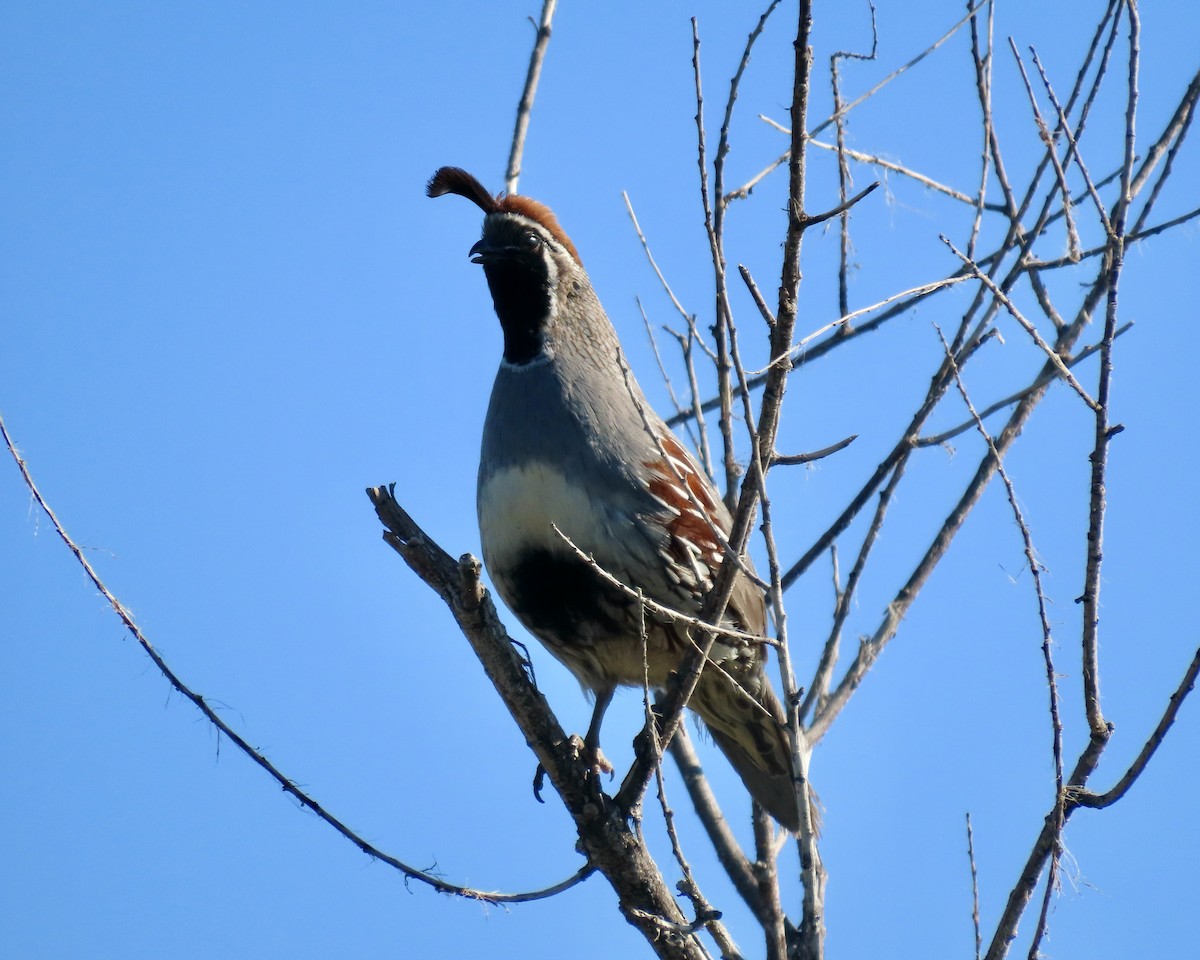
x=588, y=624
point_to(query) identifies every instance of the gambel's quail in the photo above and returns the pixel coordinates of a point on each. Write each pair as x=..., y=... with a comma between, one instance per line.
x=574, y=457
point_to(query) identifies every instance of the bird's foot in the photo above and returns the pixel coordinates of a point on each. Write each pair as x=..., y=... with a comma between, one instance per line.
x=593, y=756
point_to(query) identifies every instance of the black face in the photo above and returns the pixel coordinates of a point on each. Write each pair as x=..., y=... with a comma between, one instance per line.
x=514, y=262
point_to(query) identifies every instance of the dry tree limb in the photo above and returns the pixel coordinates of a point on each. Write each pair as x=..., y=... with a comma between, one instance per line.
x=1055, y=359
x=1098, y=801
x=714, y=229
x=744, y=190
x=871, y=647
x=696, y=411
x=285, y=783
x=706, y=916
x=885, y=164
x=637, y=227
x=1104, y=432
x=974, y=888
x=733, y=860
x=801, y=353
x=605, y=836
x=1035, y=568
x=525, y=107
x=700, y=443
x=766, y=872
x=982, y=63
x=1077, y=796
x=844, y=178
x=1052, y=152
x=794, y=459
x=1174, y=135
x=1045, y=377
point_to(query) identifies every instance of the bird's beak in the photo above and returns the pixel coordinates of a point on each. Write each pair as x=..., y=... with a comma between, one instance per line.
x=487, y=251
x=482, y=252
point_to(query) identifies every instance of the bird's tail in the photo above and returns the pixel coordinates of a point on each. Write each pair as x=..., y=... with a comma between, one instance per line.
x=751, y=731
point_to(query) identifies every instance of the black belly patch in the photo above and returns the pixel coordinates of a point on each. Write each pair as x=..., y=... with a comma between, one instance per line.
x=562, y=596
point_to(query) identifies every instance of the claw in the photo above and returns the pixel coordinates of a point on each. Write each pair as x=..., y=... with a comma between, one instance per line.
x=593, y=756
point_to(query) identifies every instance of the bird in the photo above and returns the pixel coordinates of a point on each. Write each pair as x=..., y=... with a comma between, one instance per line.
x=576, y=472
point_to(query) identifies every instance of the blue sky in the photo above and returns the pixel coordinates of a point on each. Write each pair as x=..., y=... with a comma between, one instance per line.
x=228, y=308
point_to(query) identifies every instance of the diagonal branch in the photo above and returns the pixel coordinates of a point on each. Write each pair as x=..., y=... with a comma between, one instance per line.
x=605, y=836
x=525, y=107
x=286, y=783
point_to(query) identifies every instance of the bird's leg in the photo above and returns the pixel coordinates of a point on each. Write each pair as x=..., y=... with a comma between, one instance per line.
x=591, y=743
x=588, y=748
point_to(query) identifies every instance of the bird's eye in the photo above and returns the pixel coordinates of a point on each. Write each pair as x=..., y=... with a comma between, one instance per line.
x=532, y=241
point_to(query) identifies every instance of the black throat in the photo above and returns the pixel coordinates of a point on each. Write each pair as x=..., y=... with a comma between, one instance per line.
x=521, y=295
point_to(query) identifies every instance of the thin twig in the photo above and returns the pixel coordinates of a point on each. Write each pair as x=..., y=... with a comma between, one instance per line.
x=637, y=228
x=714, y=229
x=767, y=874
x=844, y=179
x=744, y=190
x=1099, y=801
x=1063, y=370
x=659, y=609
x=706, y=916
x=794, y=459
x=1044, y=377
x=1175, y=134
x=1035, y=568
x=1052, y=153
x=974, y=888
x=286, y=784
x=1072, y=153
x=733, y=860
x=885, y=164
x=983, y=88
x=662, y=369
x=525, y=107
x=689, y=363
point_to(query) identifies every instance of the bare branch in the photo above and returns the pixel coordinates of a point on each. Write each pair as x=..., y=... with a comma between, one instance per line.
x=1103, y=431
x=525, y=107
x=729, y=853
x=1035, y=569
x=1043, y=378
x=605, y=835
x=744, y=190
x=974, y=888
x=1099, y=801
x=650, y=256
x=756, y=295
x=844, y=178
x=706, y=916
x=1051, y=152
x=983, y=88
x=1055, y=359
x=884, y=164
x=286, y=783
x=799, y=458
x=814, y=219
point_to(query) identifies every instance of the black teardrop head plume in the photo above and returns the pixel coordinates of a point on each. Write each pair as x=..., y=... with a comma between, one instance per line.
x=457, y=180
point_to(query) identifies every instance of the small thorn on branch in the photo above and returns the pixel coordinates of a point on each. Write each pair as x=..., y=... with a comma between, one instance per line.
x=788, y=460
x=809, y=221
